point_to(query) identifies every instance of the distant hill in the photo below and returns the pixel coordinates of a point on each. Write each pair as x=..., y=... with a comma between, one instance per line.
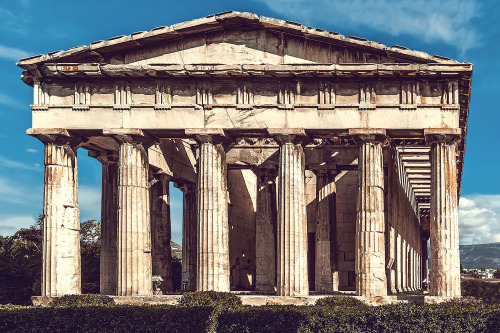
x=176, y=250
x=480, y=256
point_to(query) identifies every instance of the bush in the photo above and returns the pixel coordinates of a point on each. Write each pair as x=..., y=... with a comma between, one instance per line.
x=339, y=301
x=104, y=319
x=488, y=292
x=387, y=318
x=223, y=301
x=83, y=300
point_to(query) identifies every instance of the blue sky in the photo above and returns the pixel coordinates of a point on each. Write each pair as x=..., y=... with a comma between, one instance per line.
x=465, y=30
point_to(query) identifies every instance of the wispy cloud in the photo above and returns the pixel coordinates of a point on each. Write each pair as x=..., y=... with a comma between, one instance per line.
x=31, y=150
x=9, y=225
x=10, y=102
x=12, y=53
x=13, y=22
x=89, y=202
x=11, y=192
x=479, y=219
x=8, y=163
x=447, y=21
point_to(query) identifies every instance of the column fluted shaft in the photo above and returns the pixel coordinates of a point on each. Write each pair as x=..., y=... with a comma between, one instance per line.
x=161, y=251
x=189, y=236
x=134, y=223
x=109, y=228
x=61, y=269
x=399, y=263
x=445, y=255
x=326, y=274
x=265, y=232
x=212, y=228
x=292, y=278
x=370, y=239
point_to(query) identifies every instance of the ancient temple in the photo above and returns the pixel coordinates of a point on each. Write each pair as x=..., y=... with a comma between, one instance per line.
x=307, y=160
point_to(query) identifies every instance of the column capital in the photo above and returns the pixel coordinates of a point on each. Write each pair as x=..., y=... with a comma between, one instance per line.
x=289, y=135
x=442, y=135
x=325, y=172
x=374, y=135
x=105, y=156
x=132, y=136
x=185, y=187
x=59, y=136
x=209, y=135
x=265, y=172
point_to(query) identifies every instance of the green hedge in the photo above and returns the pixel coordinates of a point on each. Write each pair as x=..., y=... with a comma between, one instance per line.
x=390, y=318
x=488, y=292
x=104, y=319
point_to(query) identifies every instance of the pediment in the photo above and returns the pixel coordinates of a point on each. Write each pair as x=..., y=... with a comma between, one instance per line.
x=234, y=38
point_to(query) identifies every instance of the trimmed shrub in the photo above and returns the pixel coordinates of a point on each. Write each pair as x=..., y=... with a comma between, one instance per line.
x=339, y=301
x=83, y=300
x=488, y=292
x=104, y=319
x=223, y=301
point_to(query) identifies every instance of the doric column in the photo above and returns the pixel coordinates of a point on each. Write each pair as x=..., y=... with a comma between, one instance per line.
x=109, y=224
x=61, y=269
x=161, y=252
x=265, y=231
x=189, y=235
x=412, y=269
x=327, y=274
x=213, y=230
x=399, y=263
x=370, y=227
x=404, y=271
x=134, y=222
x=424, y=260
x=445, y=255
x=292, y=278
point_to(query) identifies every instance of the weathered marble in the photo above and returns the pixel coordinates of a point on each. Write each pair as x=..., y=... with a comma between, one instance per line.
x=212, y=229
x=292, y=277
x=327, y=275
x=445, y=254
x=272, y=95
x=265, y=231
x=134, y=222
x=189, y=214
x=370, y=228
x=109, y=226
x=61, y=272
x=161, y=252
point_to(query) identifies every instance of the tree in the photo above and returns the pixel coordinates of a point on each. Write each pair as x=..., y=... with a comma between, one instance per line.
x=496, y=274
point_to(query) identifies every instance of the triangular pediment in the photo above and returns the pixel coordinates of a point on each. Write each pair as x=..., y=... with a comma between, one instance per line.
x=234, y=38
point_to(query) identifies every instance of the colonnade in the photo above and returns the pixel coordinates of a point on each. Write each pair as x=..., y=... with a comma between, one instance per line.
x=142, y=240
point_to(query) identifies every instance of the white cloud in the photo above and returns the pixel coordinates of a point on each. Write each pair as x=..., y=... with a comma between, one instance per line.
x=447, y=21
x=8, y=163
x=12, y=53
x=89, y=203
x=11, y=192
x=10, y=102
x=31, y=150
x=9, y=225
x=479, y=219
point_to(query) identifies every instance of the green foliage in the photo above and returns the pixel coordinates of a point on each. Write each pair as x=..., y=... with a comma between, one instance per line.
x=83, y=300
x=388, y=318
x=223, y=301
x=104, y=319
x=339, y=301
x=90, y=244
x=488, y=292
x=20, y=265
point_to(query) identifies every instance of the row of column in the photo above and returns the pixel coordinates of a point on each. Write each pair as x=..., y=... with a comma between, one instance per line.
x=408, y=272
x=135, y=221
